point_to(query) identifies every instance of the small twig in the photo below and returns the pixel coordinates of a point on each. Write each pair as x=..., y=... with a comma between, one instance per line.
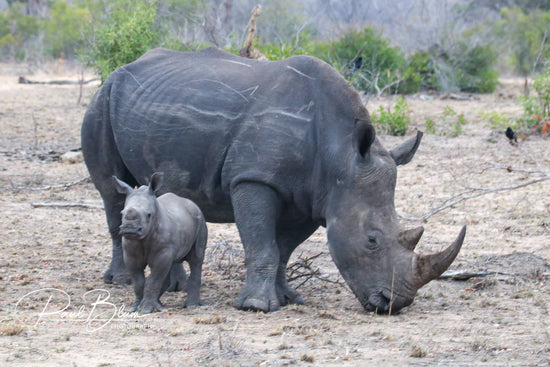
x=66, y=205
x=303, y=269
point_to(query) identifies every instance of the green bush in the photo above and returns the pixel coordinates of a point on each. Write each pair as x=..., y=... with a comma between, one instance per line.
x=450, y=123
x=125, y=35
x=474, y=68
x=420, y=74
x=536, y=108
x=393, y=122
x=460, y=68
x=383, y=65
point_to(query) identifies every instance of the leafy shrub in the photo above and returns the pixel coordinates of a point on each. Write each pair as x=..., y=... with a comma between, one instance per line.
x=393, y=122
x=450, y=123
x=498, y=121
x=536, y=108
x=382, y=67
x=474, y=68
x=125, y=35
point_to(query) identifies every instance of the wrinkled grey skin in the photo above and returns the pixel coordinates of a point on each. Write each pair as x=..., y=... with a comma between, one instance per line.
x=160, y=232
x=280, y=148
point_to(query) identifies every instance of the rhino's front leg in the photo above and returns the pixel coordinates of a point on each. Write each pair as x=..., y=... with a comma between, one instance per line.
x=155, y=284
x=288, y=238
x=136, y=267
x=256, y=209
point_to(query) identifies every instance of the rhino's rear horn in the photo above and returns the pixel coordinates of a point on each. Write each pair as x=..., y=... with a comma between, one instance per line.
x=429, y=267
x=410, y=237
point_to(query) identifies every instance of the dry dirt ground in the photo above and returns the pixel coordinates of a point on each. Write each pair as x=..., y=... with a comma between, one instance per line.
x=56, y=311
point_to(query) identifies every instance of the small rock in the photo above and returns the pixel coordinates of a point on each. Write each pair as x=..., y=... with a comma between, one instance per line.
x=72, y=157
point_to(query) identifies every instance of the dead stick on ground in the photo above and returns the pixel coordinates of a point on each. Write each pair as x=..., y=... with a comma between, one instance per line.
x=471, y=194
x=66, y=205
x=52, y=187
x=23, y=80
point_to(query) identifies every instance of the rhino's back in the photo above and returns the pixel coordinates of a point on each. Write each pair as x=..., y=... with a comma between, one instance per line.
x=205, y=118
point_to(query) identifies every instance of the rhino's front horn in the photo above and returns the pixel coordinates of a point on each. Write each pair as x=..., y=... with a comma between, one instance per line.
x=410, y=237
x=429, y=267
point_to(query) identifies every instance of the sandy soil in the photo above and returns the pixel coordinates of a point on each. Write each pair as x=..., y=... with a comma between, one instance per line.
x=56, y=311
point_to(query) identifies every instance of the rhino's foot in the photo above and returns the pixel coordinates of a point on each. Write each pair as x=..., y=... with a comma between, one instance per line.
x=191, y=303
x=288, y=295
x=112, y=277
x=134, y=306
x=148, y=306
x=262, y=300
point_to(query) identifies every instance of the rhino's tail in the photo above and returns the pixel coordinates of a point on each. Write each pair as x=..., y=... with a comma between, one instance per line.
x=99, y=148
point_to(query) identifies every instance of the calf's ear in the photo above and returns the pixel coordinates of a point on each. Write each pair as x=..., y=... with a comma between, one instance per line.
x=402, y=154
x=363, y=137
x=122, y=187
x=156, y=181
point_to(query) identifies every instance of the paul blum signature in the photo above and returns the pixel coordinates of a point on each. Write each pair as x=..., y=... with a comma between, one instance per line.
x=95, y=312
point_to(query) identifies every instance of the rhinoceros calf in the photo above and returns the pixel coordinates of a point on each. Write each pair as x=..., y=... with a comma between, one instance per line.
x=278, y=147
x=160, y=232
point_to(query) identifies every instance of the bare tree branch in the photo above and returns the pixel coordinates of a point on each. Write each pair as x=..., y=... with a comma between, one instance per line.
x=66, y=205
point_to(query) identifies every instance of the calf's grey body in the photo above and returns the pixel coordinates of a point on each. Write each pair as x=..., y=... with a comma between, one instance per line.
x=160, y=232
x=280, y=148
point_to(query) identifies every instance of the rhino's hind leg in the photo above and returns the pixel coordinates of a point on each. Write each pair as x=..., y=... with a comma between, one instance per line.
x=195, y=258
x=177, y=278
x=116, y=272
x=256, y=209
x=288, y=238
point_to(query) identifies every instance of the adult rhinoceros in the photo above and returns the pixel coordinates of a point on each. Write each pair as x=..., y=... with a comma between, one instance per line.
x=280, y=148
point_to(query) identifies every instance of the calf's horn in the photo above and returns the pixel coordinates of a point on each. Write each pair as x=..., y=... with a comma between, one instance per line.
x=410, y=237
x=429, y=267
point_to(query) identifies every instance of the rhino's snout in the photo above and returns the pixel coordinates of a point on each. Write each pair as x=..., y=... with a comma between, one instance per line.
x=378, y=302
x=131, y=230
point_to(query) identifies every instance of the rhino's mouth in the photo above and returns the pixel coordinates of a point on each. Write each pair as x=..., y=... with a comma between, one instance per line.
x=381, y=302
x=131, y=231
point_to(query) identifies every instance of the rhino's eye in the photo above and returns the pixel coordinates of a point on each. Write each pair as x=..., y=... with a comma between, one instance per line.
x=373, y=240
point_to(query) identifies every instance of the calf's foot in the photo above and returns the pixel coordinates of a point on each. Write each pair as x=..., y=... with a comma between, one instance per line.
x=116, y=275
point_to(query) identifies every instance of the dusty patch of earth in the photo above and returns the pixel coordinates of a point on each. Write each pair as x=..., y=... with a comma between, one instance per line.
x=53, y=255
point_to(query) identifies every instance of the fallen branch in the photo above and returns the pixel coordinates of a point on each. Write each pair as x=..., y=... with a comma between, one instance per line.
x=23, y=80
x=471, y=194
x=54, y=187
x=66, y=205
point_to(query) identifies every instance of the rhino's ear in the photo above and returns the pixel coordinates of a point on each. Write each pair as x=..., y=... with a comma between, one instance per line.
x=363, y=137
x=122, y=187
x=402, y=154
x=156, y=181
